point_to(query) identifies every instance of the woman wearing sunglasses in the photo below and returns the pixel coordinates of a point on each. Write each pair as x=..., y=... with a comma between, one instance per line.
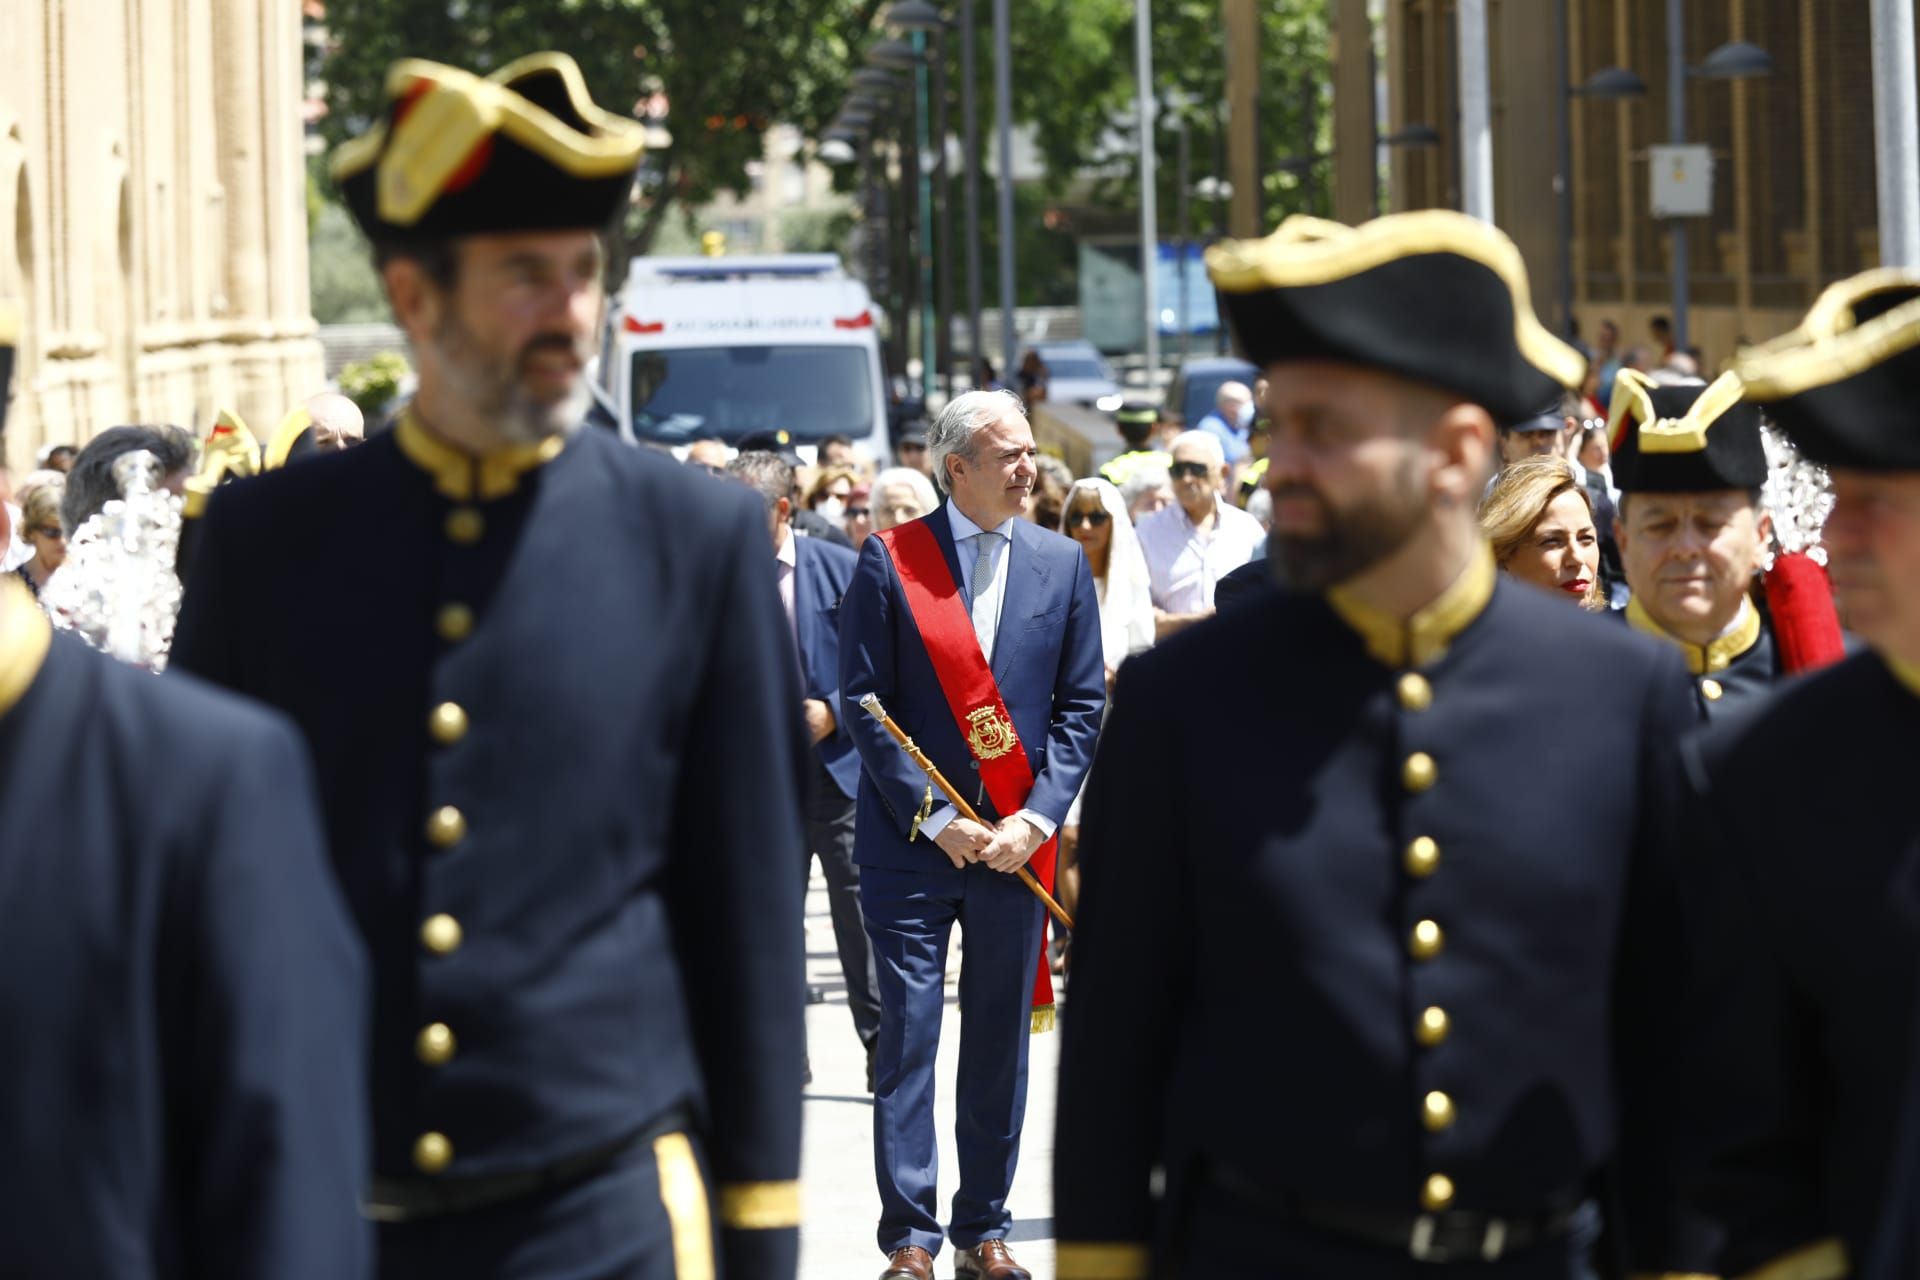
x=1095, y=516
x=40, y=527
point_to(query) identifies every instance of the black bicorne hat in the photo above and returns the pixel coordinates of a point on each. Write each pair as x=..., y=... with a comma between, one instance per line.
x=456, y=154
x=1693, y=438
x=1845, y=384
x=1434, y=296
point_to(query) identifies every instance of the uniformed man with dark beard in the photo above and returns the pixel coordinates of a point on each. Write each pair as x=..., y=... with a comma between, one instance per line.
x=538, y=670
x=1369, y=1018
x=1693, y=534
x=1800, y=1061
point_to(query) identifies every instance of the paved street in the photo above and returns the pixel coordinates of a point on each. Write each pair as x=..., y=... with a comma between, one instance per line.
x=841, y=1206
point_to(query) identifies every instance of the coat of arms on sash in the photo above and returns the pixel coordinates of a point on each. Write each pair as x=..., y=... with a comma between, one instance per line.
x=991, y=734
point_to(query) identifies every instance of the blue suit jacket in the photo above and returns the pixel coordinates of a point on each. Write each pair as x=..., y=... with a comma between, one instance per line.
x=820, y=576
x=1046, y=660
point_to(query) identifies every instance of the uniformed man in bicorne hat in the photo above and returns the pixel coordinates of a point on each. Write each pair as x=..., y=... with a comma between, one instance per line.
x=183, y=1000
x=1692, y=530
x=1800, y=1062
x=1368, y=1018
x=538, y=670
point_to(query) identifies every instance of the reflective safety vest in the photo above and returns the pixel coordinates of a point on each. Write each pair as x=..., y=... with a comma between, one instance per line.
x=1118, y=471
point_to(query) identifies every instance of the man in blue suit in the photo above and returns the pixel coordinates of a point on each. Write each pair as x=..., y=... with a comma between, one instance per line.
x=970, y=597
x=813, y=574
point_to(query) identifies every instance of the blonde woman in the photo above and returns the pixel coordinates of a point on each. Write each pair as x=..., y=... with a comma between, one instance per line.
x=40, y=528
x=1540, y=521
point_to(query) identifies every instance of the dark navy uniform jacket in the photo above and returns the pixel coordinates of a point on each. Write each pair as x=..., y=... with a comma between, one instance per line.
x=553, y=707
x=1393, y=937
x=1799, y=1049
x=182, y=998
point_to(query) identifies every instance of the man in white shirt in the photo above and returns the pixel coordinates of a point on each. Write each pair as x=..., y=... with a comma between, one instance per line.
x=1198, y=540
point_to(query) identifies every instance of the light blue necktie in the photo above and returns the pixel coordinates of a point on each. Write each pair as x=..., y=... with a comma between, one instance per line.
x=981, y=605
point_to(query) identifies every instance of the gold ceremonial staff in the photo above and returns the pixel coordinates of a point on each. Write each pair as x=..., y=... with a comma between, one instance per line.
x=871, y=705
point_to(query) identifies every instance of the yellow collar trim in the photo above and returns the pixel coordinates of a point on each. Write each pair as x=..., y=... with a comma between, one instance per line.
x=1423, y=638
x=460, y=475
x=1633, y=408
x=1716, y=656
x=1306, y=251
x=25, y=635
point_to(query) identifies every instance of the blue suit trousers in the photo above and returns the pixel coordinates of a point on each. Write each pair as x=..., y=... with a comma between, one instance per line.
x=910, y=917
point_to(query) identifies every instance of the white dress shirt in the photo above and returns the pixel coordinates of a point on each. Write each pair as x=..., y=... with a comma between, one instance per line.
x=1183, y=563
x=786, y=560
x=965, y=542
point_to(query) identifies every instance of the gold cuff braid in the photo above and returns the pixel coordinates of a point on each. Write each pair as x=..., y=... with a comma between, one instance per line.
x=759, y=1206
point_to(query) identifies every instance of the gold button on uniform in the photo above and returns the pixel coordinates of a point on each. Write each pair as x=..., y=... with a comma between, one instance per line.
x=441, y=934
x=435, y=1044
x=447, y=723
x=1415, y=693
x=1437, y=1194
x=1426, y=940
x=465, y=525
x=1437, y=1112
x=1433, y=1026
x=446, y=827
x=454, y=623
x=1419, y=772
x=1712, y=690
x=432, y=1153
x=1423, y=857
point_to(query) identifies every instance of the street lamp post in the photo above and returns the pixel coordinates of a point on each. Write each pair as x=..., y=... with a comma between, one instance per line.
x=1003, y=125
x=970, y=129
x=923, y=19
x=1149, y=232
x=1735, y=60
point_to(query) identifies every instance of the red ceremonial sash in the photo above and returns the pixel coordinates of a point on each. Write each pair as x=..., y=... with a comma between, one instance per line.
x=946, y=629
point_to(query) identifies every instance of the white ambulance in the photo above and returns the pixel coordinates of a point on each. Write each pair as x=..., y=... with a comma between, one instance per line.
x=729, y=346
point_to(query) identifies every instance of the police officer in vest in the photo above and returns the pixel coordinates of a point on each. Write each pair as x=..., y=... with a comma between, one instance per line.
x=1692, y=530
x=1368, y=1021
x=538, y=670
x=1799, y=1063
x=1135, y=421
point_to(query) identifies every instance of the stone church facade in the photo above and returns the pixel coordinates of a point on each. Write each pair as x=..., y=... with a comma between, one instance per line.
x=153, y=225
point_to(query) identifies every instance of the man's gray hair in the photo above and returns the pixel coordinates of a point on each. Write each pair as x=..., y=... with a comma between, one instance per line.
x=1143, y=481
x=914, y=479
x=954, y=431
x=766, y=473
x=1201, y=440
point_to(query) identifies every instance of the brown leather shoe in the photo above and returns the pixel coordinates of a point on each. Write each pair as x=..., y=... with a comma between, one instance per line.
x=910, y=1263
x=988, y=1260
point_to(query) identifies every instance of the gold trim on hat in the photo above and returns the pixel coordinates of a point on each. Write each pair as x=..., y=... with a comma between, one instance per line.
x=1308, y=251
x=1828, y=346
x=460, y=110
x=1633, y=399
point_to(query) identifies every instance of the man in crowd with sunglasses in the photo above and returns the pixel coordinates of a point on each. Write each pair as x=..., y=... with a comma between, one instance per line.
x=1198, y=540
